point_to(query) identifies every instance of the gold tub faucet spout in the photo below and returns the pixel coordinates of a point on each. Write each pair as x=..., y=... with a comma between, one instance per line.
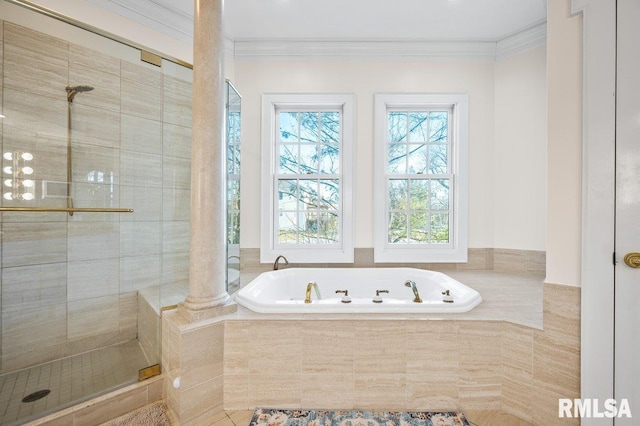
x=311, y=285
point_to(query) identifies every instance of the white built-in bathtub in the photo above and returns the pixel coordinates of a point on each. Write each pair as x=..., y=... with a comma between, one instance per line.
x=284, y=291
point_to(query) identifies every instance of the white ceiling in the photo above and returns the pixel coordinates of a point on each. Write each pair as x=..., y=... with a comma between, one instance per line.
x=346, y=20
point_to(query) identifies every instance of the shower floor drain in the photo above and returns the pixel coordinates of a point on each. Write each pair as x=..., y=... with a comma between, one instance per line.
x=36, y=395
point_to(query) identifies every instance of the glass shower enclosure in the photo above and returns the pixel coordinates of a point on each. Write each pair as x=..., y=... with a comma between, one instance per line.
x=233, y=103
x=95, y=148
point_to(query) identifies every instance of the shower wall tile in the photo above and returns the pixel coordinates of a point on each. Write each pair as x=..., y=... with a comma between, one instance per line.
x=33, y=287
x=106, y=88
x=175, y=269
x=128, y=316
x=1, y=56
x=176, y=173
x=93, y=278
x=33, y=336
x=35, y=41
x=140, y=99
x=84, y=57
x=45, y=138
x=96, y=195
x=175, y=236
x=176, y=204
x=49, y=158
x=95, y=126
x=95, y=164
x=33, y=243
x=147, y=328
x=146, y=203
x=35, y=63
x=177, y=97
x=93, y=319
x=140, y=169
x=176, y=141
x=50, y=218
x=141, y=238
x=140, y=74
x=141, y=135
x=93, y=241
x=139, y=272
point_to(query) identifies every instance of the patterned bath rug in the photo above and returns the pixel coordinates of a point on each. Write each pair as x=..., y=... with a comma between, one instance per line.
x=281, y=417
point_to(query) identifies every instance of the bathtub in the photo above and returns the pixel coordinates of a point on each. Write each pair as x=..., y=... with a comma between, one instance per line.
x=284, y=291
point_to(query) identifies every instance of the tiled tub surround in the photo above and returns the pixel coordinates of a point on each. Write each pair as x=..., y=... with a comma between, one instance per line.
x=70, y=284
x=513, y=353
x=479, y=259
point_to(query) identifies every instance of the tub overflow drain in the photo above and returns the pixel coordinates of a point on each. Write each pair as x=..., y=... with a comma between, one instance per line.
x=36, y=395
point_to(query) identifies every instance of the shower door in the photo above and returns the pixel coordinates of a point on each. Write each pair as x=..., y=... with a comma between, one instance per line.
x=86, y=128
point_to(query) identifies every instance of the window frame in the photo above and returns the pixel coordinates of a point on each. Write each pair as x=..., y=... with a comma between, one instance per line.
x=342, y=252
x=456, y=249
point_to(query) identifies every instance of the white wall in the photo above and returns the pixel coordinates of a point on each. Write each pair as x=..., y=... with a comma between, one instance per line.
x=564, y=154
x=520, y=161
x=494, y=182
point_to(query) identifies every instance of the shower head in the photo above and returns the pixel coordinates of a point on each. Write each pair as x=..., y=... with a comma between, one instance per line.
x=72, y=91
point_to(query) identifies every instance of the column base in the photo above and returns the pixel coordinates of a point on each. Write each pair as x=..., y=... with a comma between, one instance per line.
x=194, y=310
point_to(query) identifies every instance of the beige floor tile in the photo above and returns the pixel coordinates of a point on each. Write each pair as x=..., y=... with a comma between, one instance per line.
x=494, y=418
x=240, y=418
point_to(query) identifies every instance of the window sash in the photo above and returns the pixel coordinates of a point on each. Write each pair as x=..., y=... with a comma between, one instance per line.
x=420, y=248
x=300, y=214
x=408, y=213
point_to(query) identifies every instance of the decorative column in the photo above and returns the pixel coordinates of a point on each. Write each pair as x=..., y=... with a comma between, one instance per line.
x=207, y=253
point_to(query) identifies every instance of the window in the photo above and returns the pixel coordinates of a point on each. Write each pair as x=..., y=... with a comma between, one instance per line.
x=420, y=178
x=306, y=171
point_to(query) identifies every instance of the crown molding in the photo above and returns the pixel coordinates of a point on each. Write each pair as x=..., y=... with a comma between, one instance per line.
x=407, y=50
x=252, y=50
x=521, y=41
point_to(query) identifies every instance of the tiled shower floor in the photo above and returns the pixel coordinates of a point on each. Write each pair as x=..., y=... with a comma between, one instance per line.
x=70, y=380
